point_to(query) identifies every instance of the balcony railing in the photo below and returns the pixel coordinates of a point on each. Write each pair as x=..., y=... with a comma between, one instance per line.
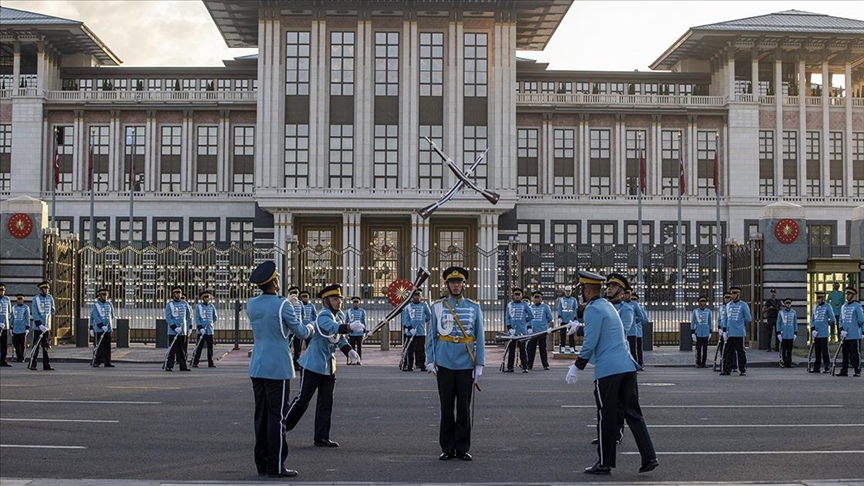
x=161, y=97
x=796, y=100
x=618, y=99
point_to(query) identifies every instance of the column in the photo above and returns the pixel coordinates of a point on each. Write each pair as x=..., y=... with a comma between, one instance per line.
x=656, y=154
x=409, y=100
x=419, y=242
x=691, y=165
x=364, y=107
x=16, y=65
x=454, y=93
x=115, y=153
x=80, y=144
x=187, y=153
x=223, y=153
x=802, y=126
x=619, y=161
x=40, y=66
x=826, y=164
x=487, y=277
x=270, y=117
x=847, y=137
x=730, y=74
x=351, y=259
x=546, y=156
x=283, y=231
x=778, y=123
x=754, y=74
x=151, y=153
x=582, y=154
x=319, y=89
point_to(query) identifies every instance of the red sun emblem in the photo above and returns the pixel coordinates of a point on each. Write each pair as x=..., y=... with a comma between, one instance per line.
x=399, y=290
x=20, y=225
x=786, y=231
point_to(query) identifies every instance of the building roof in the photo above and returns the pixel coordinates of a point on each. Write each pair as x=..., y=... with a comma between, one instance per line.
x=536, y=20
x=67, y=36
x=788, y=30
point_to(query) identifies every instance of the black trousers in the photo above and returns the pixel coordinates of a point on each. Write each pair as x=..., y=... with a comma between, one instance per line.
x=4, y=343
x=297, y=348
x=851, y=355
x=356, y=343
x=701, y=351
x=18, y=346
x=103, y=353
x=419, y=351
x=635, y=343
x=408, y=352
x=562, y=336
x=772, y=333
x=786, y=351
x=454, y=391
x=511, y=354
x=614, y=395
x=820, y=350
x=178, y=353
x=310, y=382
x=734, y=355
x=533, y=344
x=206, y=340
x=42, y=344
x=271, y=402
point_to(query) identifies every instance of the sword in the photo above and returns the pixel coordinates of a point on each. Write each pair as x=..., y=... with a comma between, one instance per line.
x=462, y=176
x=422, y=276
x=427, y=211
x=524, y=337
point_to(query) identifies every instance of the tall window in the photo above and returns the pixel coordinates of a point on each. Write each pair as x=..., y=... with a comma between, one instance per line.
x=583, y=87
x=431, y=170
x=631, y=233
x=386, y=167
x=813, y=149
x=203, y=231
x=189, y=84
x=99, y=140
x=858, y=164
x=565, y=87
x=529, y=87
x=530, y=232
x=169, y=163
x=297, y=63
x=206, y=160
x=341, y=63
x=154, y=85
x=527, y=161
x=121, y=84
x=564, y=178
x=671, y=155
x=600, y=180
x=224, y=84
x=473, y=144
x=341, y=156
x=296, y=156
x=385, y=263
x=6, y=157
x=102, y=231
x=766, y=163
x=168, y=230
x=65, y=151
x=670, y=235
x=134, y=142
x=547, y=87
x=244, y=160
x=565, y=233
x=386, y=64
x=636, y=140
x=475, y=64
x=707, y=233
x=616, y=88
x=790, y=163
x=706, y=150
x=835, y=163
x=431, y=64
x=137, y=229
x=241, y=232
x=172, y=84
x=602, y=233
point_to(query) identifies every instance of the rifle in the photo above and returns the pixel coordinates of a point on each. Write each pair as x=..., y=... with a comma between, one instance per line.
x=834, y=360
x=168, y=353
x=96, y=348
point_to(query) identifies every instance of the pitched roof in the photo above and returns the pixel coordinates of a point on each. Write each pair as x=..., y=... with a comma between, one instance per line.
x=791, y=21
x=12, y=15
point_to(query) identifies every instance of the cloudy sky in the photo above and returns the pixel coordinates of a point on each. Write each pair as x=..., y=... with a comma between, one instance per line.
x=595, y=35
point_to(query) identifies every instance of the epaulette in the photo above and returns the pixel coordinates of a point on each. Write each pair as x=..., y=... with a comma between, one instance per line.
x=472, y=301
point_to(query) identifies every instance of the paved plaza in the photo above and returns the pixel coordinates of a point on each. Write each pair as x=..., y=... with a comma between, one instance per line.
x=137, y=425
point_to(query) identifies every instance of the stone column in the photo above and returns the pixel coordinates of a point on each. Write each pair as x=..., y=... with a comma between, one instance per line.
x=754, y=74
x=188, y=135
x=547, y=160
x=419, y=242
x=16, y=65
x=802, y=127
x=847, y=137
x=826, y=164
x=778, y=123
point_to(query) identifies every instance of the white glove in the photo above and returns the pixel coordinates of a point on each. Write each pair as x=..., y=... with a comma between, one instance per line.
x=779, y=337
x=292, y=298
x=353, y=357
x=725, y=335
x=432, y=368
x=693, y=336
x=795, y=336
x=357, y=326
x=412, y=332
x=92, y=334
x=45, y=329
x=512, y=331
x=574, y=326
x=815, y=333
x=530, y=329
x=572, y=375
x=310, y=330
x=2, y=325
x=843, y=334
x=478, y=372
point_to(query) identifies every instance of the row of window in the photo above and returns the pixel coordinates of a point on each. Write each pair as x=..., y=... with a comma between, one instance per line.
x=117, y=83
x=198, y=231
x=604, y=87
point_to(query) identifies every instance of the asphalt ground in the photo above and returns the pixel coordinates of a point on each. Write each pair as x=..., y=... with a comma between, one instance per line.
x=137, y=423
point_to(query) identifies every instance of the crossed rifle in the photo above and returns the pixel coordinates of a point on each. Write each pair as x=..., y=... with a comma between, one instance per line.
x=464, y=180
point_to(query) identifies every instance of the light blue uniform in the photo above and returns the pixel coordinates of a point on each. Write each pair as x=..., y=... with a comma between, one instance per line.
x=359, y=315
x=205, y=316
x=625, y=311
x=517, y=316
x=453, y=355
x=701, y=322
x=640, y=318
x=737, y=318
x=852, y=320
x=566, y=309
x=416, y=316
x=5, y=312
x=42, y=309
x=821, y=317
x=309, y=313
x=721, y=317
x=178, y=315
x=787, y=323
x=102, y=316
x=20, y=318
x=320, y=352
x=271, y=324
x=541, y=316
x=605, y=345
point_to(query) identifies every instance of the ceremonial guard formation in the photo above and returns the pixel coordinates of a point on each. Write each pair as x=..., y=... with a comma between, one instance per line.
x=734, y=330
x=20, y=326
x=178, y=315
x=516, y=318
x=456, y=355
x=415, y=318
x=273, y=320
x=615, y=381
x=851, y=327
x=566, y=309
x=101, y=324
x=205, y=317
x=821, y=319
x=541, y=316
x=787, y=332
x=701, y=323
x=318, y=365
x=5, y=322
x=640, y=319
x=356, y=314
x=43, y=311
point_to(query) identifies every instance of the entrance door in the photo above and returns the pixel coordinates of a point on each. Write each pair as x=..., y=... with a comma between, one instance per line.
x=454, y=243
x=822, y=274
x=386, y=256
x=319, y=254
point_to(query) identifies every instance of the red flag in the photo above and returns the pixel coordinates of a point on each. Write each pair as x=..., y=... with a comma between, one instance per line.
x=56, y=167
x=682, y=182
x=642, y=171
x=716, y=174
x=90, y=169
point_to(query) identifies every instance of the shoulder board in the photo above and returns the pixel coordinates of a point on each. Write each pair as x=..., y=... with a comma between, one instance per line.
x=438, y=301
x=472, y=301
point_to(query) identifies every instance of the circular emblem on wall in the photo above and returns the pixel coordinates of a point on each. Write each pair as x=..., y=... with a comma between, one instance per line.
x=20, y=225
x=399, y=290
x=786, y=231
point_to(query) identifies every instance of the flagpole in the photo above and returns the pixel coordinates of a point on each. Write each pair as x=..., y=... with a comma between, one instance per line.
x=718, y=292
x=680, y=290
x=639, y=280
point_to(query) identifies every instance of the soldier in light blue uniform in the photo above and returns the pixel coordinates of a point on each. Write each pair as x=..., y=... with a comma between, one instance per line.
x=787, y=332
x=318, y=364
x=737, y=317
x=456, y=352
x=566, y=309
x=273, y=320
x=415, y=318
x=296, y=343
x=356, y=314
x=43, y=311
x=20, y=327
x=205, y=317
x=851, y=327
x=701, y=322
x=541, y=316
x=821, y=319
x=178, y=315
x=640, y=319
x=101, y=327
x=615, y=382
x=616, y=287
x=5, y=318
x=309, y=315
x=516, y=318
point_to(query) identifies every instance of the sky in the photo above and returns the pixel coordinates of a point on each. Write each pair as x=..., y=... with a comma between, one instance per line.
x=594, y=35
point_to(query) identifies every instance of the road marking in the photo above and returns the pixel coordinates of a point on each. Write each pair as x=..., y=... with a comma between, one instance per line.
x=20, y=446
x=737, y=453
x=736, y=426
x=144, y=387
x=656, y=384
x=106, y=402
x=60, y=420
x=717, y=406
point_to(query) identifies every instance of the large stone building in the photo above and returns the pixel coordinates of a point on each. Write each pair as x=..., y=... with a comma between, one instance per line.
x=319, y=139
